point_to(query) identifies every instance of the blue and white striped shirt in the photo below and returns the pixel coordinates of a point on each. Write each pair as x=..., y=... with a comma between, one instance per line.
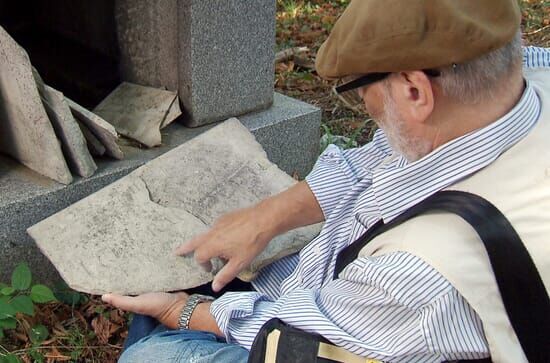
x=393, y=307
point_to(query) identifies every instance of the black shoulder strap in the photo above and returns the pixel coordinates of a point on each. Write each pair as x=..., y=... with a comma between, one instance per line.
x=523, y=293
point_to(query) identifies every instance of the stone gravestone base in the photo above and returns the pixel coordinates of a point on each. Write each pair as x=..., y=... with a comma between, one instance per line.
x=288, y=131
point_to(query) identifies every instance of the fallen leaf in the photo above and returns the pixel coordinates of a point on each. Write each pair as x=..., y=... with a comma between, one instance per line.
x=102, y=328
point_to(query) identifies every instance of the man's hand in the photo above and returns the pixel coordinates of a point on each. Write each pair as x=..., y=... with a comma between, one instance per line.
x=237, y=238
x=164, y=307
x=240, y=236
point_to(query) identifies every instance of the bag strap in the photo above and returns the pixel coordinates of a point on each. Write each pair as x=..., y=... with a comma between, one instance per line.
x=278, y=342
x=523, y=292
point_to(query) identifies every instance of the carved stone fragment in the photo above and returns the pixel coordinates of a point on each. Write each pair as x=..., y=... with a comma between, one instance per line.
x=121, y=239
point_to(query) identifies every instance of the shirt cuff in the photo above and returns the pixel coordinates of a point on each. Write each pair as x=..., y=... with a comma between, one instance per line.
x=232, y=305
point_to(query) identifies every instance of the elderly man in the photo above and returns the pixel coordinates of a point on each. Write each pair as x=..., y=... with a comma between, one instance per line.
x=457, y=109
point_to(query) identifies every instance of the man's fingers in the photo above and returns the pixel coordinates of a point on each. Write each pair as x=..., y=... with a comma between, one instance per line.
x=126, y=303
x=201, y=250
x=189, y=246
x=227, y=274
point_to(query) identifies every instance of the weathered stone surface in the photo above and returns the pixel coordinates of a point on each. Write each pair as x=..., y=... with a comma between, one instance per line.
x=121, y=238
x=73, y=143
x=95, y=146
x=148, y=33
x=104, y=131
x=25, y=130
x=137, y=112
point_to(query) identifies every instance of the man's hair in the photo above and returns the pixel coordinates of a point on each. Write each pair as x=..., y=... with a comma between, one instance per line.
x=479, y=79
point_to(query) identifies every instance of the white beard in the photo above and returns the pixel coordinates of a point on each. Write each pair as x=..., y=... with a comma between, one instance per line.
x=412, y=148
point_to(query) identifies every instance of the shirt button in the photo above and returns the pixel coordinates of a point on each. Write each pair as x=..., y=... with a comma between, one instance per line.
x=300, y=279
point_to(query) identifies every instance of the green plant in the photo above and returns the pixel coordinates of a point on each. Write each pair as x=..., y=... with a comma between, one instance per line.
x=20, y=299
x=68, y=296
x=289, y=6
x=344, y=142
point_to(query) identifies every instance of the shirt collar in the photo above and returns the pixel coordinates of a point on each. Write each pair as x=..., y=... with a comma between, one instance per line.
x=399, y=185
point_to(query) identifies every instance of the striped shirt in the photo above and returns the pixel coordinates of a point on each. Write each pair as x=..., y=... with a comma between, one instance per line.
x=393, y=307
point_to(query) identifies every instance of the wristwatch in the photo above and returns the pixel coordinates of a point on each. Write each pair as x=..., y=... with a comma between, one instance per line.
x=187, y=311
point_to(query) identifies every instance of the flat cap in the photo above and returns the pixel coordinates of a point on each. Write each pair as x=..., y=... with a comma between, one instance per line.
x=397, y=35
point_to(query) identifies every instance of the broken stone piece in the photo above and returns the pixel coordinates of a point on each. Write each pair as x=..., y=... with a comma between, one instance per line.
x=104, y=131
x=138, y=112
x=72, y=140
x=95, y=146
x=121, y=238
x=25, y=130
x=173, y=113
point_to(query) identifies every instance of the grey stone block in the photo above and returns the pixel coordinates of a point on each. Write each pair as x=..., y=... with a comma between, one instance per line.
x=226, y=58
x=288, y=131
x=293, y=144
x=148, y=34
x=219, y=55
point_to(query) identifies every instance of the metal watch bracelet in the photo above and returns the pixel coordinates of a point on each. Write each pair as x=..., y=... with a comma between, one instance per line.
x=187, y=311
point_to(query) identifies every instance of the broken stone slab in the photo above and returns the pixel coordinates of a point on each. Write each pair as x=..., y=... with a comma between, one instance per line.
x=25, y=130
x=67, y=129
x=95, y=146
x=40, y=84
x=121, y=239
x=173, y=113
x=104, y=131
x=137, y=111
x=73, y=142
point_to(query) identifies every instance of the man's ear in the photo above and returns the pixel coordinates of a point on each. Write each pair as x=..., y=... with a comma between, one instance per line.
x=414, y=95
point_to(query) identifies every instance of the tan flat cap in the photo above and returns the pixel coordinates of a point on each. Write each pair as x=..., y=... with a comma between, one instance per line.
x=397, y=35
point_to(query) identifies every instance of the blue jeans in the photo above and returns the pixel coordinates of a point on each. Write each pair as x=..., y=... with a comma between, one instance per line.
x=149, y=341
